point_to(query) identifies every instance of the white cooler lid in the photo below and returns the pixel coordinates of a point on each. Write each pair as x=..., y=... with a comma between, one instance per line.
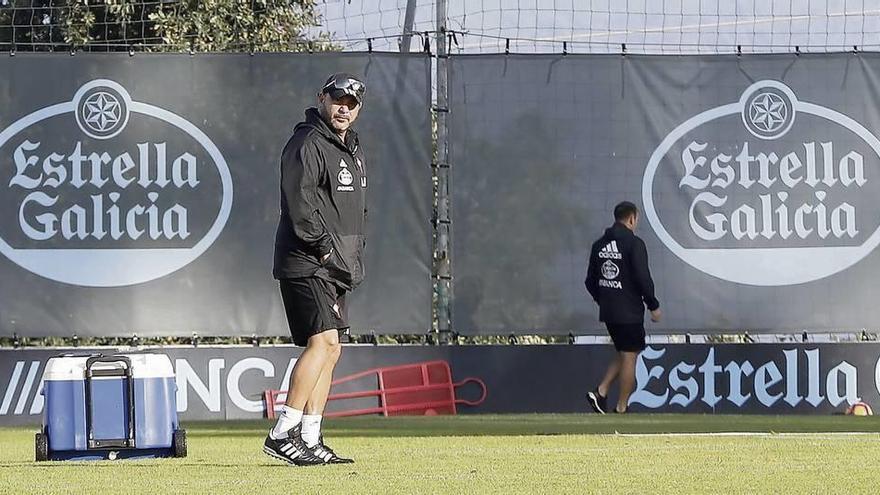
x=146, y=365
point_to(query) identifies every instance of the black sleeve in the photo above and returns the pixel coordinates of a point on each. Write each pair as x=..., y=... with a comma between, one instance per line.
x=301, y=172
x=592, y=281
x=642, y=274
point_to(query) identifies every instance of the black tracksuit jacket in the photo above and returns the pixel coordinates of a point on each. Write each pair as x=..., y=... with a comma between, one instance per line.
x=618, y=277
x=323, y=205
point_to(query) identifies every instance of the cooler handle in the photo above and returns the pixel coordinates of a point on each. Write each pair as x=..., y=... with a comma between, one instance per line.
x=126, y=371
x=121, y=372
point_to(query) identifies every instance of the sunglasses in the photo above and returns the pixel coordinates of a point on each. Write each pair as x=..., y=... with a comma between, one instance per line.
x=342, y=86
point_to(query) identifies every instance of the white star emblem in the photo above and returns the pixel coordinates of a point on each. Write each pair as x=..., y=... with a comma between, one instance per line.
x=101, y=111
x=768, y=112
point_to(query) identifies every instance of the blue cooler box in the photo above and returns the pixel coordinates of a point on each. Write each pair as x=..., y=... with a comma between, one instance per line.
x=109, y=407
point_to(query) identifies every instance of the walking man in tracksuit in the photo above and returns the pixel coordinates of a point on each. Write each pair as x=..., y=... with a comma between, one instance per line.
x=619, y=280
x=318, y=259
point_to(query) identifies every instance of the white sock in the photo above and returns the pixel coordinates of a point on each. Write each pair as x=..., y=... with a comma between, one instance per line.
x=311, y=429
x=288, y=418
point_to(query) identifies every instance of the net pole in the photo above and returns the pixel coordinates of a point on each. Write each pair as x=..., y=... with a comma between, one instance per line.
x=408, y=21
x=443, y=281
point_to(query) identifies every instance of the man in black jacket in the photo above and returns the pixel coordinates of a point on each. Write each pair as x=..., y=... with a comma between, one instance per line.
x=318, y=259
x=619, y=280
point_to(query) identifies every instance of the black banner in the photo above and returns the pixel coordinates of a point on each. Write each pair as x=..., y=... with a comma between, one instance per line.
x=756, y=176
x=229, y=382
x=140, y=194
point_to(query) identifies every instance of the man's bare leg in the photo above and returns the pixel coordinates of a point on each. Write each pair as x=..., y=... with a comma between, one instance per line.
x=314, y=410
x=597, y=398
x=320, y=349
x=285, y=441
x=627, y=378
x=317, y=401
x=610, y=375
x=318, y=398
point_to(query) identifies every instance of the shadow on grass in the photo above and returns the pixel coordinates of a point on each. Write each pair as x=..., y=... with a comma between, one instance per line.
x=553, y=424
x=532, y=424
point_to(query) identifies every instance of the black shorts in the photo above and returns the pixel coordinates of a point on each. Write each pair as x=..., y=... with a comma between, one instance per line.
x=627, y=337
x=309, y=305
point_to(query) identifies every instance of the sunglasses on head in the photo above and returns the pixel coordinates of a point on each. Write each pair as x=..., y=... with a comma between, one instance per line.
x=341, y=86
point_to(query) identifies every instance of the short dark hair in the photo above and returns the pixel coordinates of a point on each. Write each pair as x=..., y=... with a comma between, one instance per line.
x=625, y=210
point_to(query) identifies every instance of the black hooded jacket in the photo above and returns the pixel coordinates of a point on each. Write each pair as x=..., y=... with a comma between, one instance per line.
x=618, y=277
x=323, y=205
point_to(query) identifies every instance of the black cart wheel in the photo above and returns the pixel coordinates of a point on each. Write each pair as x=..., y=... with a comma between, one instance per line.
x=178, y=443
x=41, y=447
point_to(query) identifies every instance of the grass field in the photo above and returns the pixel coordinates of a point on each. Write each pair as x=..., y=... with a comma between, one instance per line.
x=492, y=454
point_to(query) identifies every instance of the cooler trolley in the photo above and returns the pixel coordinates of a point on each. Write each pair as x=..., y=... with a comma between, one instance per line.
x=109, y=407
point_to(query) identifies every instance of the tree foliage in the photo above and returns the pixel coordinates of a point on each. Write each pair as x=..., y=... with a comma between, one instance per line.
x=168, y=25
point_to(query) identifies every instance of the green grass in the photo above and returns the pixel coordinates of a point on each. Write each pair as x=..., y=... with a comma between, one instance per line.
x=491, y=454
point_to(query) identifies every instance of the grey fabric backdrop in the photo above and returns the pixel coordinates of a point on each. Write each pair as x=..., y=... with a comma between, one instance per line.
x=247, y=107
x=543, y=147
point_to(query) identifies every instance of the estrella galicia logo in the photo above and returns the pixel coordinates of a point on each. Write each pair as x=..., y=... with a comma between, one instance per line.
x=101, y=110
x=107, y=191
x=769, y=190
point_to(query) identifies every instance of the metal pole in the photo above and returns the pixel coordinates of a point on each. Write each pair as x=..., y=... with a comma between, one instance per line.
x=443, y=281
x=408, y=22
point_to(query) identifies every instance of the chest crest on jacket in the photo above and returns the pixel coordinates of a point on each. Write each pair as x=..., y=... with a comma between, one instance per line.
x=344, y=177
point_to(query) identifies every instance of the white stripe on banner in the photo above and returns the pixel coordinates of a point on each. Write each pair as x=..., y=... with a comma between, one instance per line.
x=26, y=390
x=37, y=404
x=13, y=384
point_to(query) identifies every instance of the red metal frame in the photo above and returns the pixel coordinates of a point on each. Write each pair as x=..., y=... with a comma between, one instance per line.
x=395, y=398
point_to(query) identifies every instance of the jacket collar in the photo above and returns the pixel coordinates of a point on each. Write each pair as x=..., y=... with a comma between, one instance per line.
x=315, y=121
x=618, y=230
